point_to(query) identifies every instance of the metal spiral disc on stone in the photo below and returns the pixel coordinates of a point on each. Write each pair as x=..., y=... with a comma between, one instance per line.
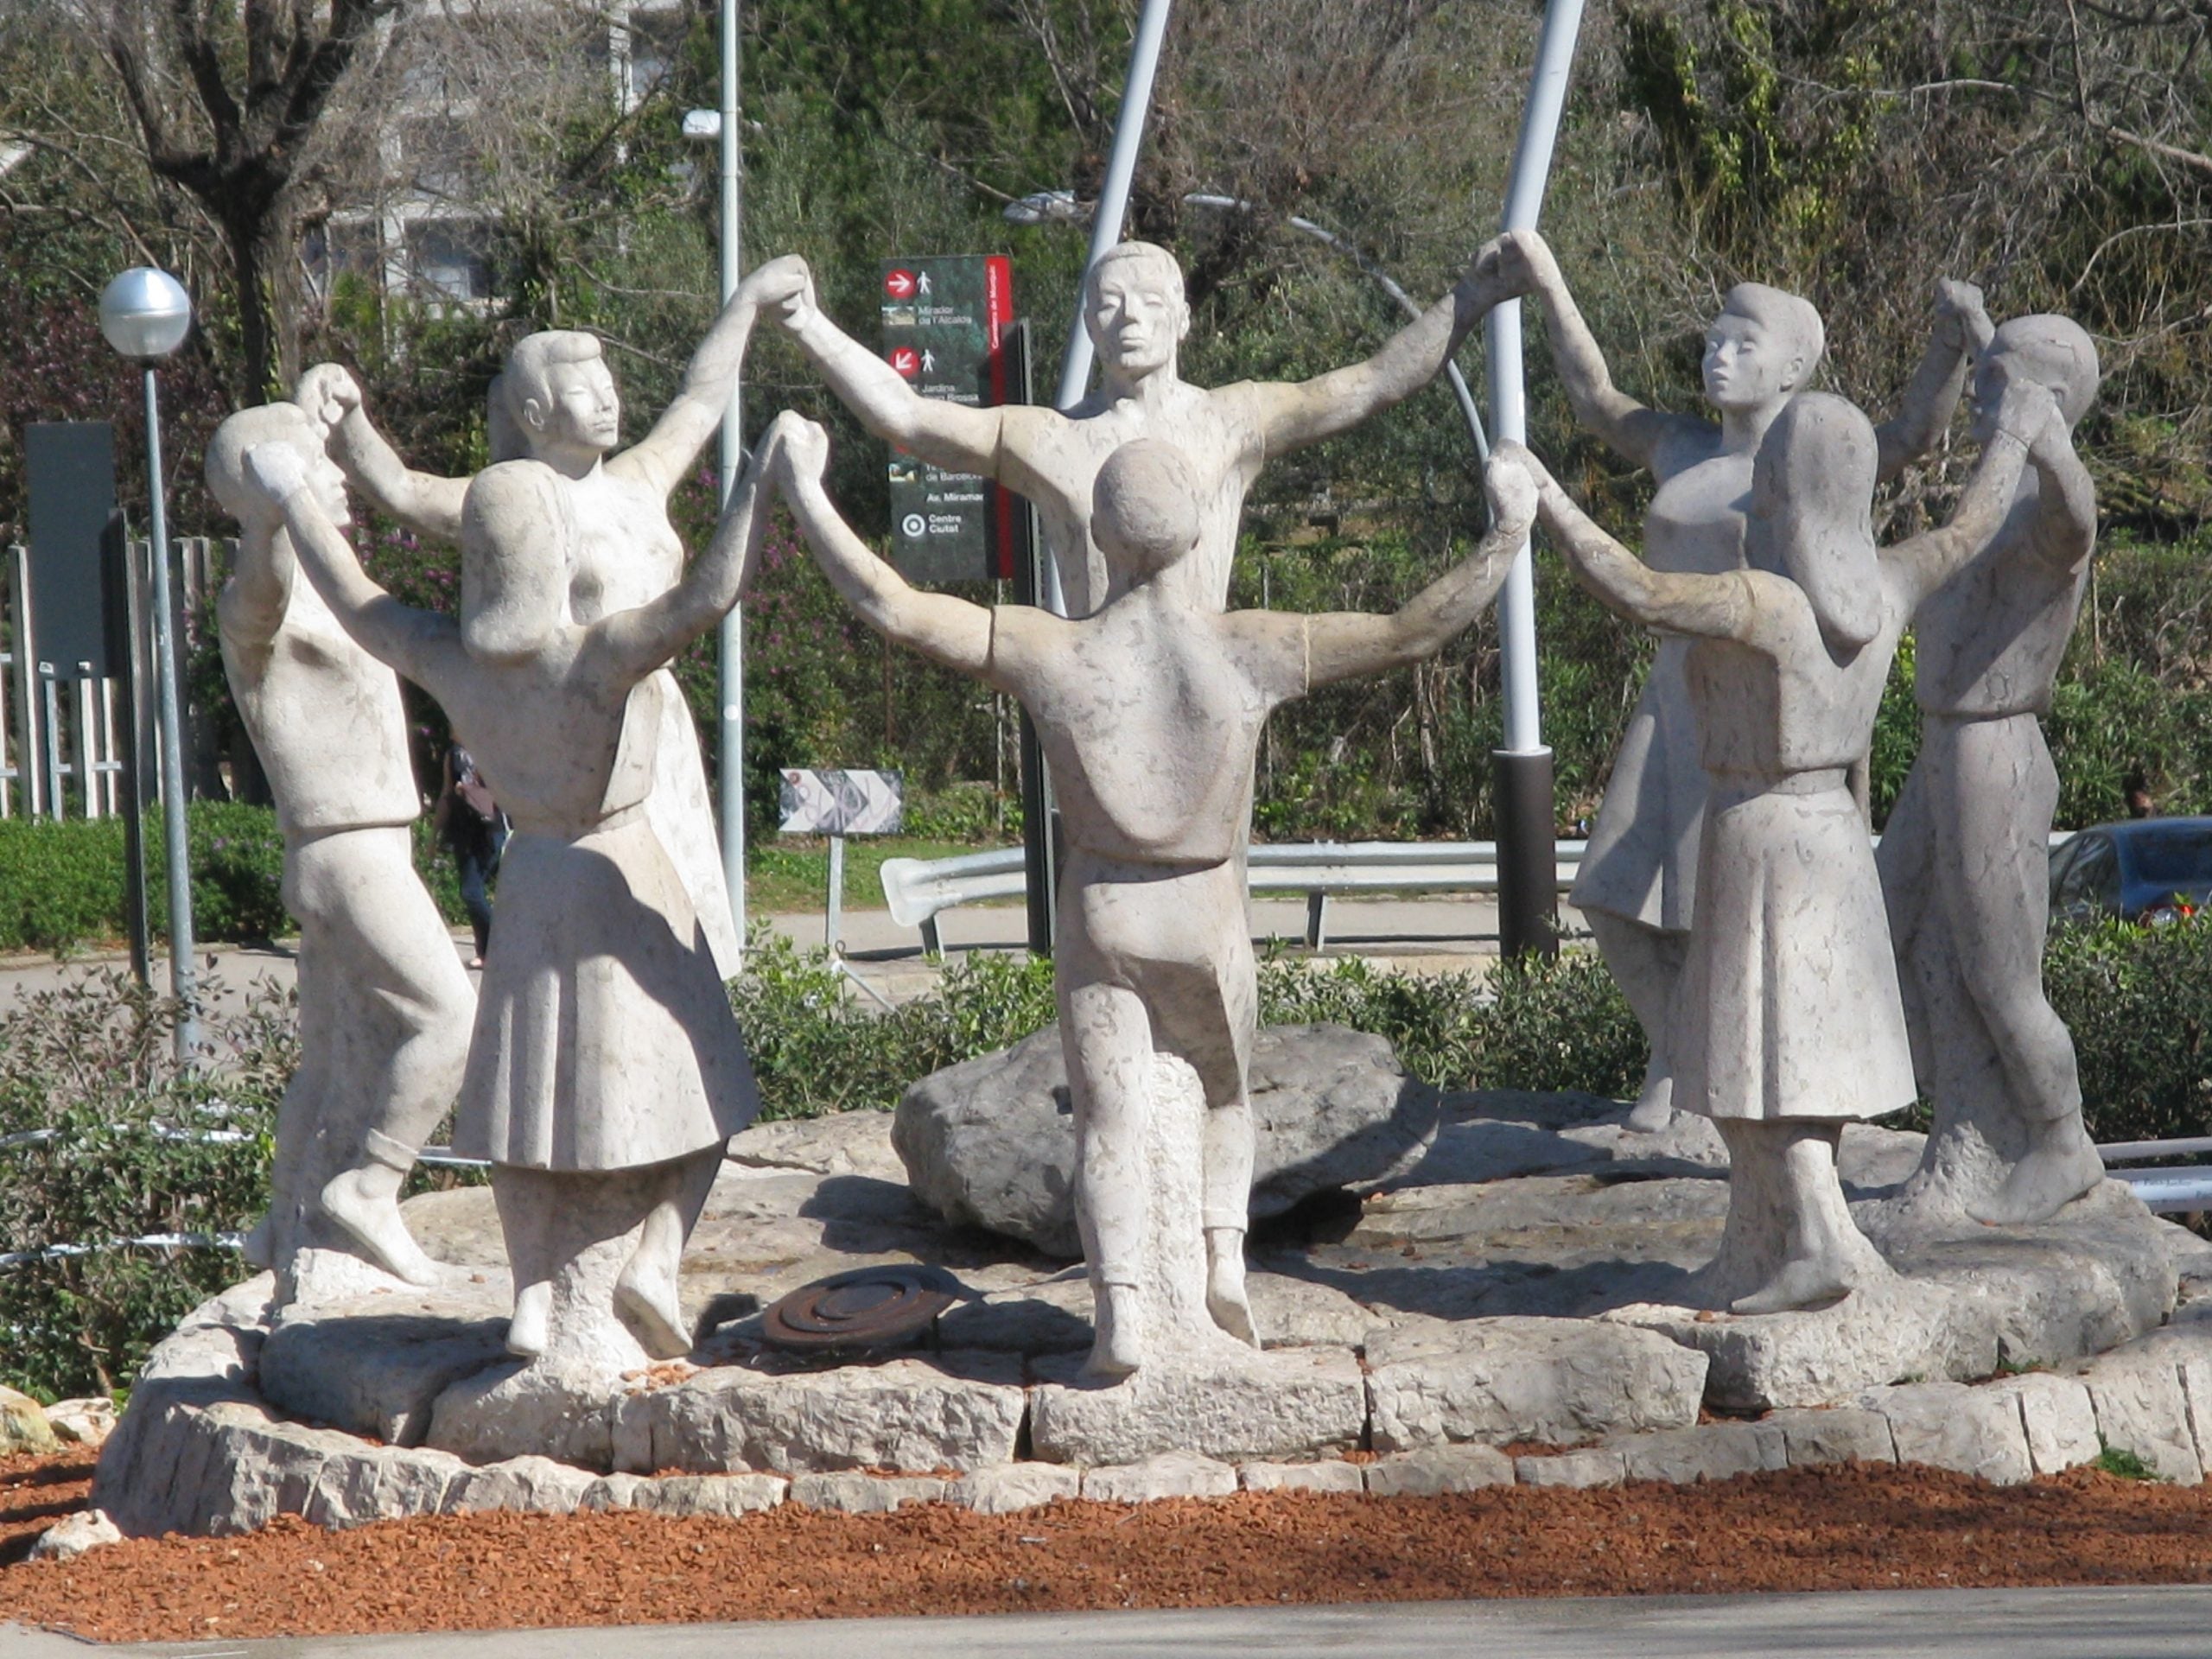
x=868, y=1307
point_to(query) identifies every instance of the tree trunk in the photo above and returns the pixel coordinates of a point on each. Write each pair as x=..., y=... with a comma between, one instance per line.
x=265, y=269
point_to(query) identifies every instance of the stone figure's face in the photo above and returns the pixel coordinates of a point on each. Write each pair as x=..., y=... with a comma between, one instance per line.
x=1748, y=364
x=328, y=484
x=586, y=411
x=1135, y=320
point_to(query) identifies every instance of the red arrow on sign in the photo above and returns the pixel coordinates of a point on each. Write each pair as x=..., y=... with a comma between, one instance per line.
x=906, y=361
x=900, y=284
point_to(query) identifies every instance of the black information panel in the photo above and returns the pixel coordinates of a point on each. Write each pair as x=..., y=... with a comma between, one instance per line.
x=70, y=468
x=945, y=324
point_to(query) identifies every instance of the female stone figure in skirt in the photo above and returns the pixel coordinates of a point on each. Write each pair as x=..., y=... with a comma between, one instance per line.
x=1637, y=885
x=606, y=1071
x=1788, y=1020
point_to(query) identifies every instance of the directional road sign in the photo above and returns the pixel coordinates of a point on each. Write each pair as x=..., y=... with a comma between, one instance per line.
x=945, y=326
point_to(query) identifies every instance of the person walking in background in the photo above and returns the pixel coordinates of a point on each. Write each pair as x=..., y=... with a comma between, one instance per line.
x=469, y=823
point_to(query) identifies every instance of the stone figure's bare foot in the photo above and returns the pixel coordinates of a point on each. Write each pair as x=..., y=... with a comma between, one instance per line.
x=526, y=1331
x=1226, y=1301
x=1806, y=1281
x=1118, y=1349
x=1655, y=1107
x=2060, y=1165
x=648, y=1296
x=364, y=1206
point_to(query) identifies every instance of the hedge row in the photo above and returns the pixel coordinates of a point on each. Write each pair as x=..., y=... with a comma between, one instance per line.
x=61, y=885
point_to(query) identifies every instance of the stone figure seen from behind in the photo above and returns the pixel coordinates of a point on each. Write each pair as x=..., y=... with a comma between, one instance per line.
x=1637, y=884
x=556, y=402
x=385, y=1004
x=1965, y=856
x=1787, y=1019
x=606, y=1071
x=1135, y=309
x=1150, y=712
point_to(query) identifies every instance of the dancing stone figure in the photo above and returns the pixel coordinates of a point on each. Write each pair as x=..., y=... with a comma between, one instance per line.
x=1637, y=884
x=606, y=1072
x=1150, y=713
x=1788, y=1021
x=1964, y=858
x=1135, y=309
x=557, y=404
x=385, y=1004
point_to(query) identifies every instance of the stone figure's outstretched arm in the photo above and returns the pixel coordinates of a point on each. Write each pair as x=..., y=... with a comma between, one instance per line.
x=947, y=434
x=1961, y=329
x=944, y=629
x=1717, y=607
x=424, y=502
x=1291, y=416
x=396, y=635
x=635, y=642
x=666, y=452
x=1344, y=644
x=1635, y=429
x=2027, y=420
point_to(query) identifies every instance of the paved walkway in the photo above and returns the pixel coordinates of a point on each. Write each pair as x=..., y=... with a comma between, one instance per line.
x=2149, y=1623
x=1424, y=935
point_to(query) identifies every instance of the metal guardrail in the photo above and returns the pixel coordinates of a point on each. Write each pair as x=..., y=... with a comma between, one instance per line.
x=2164, y=1191
x=916, y=890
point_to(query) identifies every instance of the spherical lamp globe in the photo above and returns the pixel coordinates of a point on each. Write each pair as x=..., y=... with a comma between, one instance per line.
x=145, y=313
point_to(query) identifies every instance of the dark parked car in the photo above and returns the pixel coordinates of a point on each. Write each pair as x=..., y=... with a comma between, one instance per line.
x=2152, y=870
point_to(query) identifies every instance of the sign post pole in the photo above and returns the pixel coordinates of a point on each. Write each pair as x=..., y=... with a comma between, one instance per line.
x=730, y=730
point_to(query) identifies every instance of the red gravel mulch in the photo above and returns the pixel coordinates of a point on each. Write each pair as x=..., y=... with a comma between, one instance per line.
x=1842, y=1528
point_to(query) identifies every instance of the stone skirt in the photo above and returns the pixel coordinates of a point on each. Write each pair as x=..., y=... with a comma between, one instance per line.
x=1641, y=864
x=1788, y=1005
x=604, y=1038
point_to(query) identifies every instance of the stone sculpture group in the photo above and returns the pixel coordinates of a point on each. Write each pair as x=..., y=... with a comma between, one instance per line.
x=1730, y=881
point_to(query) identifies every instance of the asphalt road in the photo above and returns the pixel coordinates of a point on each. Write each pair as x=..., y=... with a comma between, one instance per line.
x=2092, y=1624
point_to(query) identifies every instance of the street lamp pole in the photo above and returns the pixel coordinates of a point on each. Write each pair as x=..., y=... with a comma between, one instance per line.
x=730, y=750
x=145, y=315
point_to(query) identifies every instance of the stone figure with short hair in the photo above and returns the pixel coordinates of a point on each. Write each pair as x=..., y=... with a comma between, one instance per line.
x=385, y=1003
x=1787, y=1019
x=606, y=1072
x=1150, y=711
x=1965, y=856
x=1637, y=883
x=556, y=402
x=1135, y=309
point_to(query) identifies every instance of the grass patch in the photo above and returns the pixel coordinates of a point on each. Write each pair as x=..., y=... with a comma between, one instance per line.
x=2125, y=1464
x=792, y=873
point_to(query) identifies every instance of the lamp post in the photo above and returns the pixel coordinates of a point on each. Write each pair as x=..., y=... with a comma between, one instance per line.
x=145, y=315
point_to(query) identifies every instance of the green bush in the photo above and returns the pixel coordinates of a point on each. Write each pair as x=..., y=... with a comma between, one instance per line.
x=103, y=1139
x=2138, y=1002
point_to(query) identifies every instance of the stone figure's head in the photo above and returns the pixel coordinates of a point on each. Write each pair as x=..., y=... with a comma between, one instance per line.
x=1812, y=515
x=516, y=533
x=1144, y=509
x=1763, y=346
x=284, y=424
x=1133, y=305
x=556, y=397
x=2048, y=350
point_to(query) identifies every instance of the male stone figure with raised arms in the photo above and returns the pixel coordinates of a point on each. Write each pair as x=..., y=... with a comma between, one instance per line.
x=1134, y=307
x=1150, y=711
x=1964, y=857
x=557, y=404
x=385, y=1003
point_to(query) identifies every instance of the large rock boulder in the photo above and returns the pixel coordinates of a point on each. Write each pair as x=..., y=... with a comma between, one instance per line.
x=990, y=1142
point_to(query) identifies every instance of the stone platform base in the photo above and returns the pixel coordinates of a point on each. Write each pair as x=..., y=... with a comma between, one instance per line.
x=1513, y=1291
